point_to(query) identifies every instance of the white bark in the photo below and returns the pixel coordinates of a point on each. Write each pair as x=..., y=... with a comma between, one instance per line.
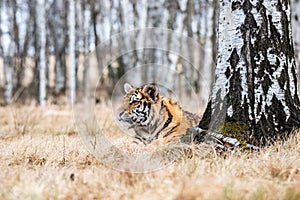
x=8, y=49
x=80, y=21
x=42, y=68
x=8, y=74
x=72, y=58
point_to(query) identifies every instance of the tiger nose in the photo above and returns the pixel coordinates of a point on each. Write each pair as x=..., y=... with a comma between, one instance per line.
x=120, y=115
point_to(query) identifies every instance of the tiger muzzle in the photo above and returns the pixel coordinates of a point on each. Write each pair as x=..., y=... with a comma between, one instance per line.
x=124, y=117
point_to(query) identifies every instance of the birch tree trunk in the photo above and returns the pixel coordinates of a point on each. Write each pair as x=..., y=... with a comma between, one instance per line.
x=256, y=84
x=58, y=29
x=8, y=51
x=296, y=30
x=97, y=17
x=72, y=57
x=34, y=86
x=189, y=70
x=175, y=23
x=17, y=71
x=8, y=74
x=43, y=62
x=156, y=19
x=140, y=18
x=208, y=62
x=135, y=25
x=125, y=17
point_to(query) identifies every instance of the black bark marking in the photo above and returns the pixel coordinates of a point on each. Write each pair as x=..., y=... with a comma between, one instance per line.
x=266, y=84
x=247, y=6
x=234, y=58
x=282, y=80
x=234, y=97
x=235, y=5
x=205, y=121
x=275, y=35
x=227, y=73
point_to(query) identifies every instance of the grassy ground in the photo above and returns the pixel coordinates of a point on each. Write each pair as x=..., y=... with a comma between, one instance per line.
x=42, y=157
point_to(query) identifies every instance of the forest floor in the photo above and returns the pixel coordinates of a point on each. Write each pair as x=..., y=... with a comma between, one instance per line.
x=43, y=157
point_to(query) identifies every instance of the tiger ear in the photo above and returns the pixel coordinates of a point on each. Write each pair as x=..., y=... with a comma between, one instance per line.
x=127, y=87
x=152, y=91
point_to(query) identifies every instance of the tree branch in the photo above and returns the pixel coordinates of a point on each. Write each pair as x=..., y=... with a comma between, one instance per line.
x=198, y=135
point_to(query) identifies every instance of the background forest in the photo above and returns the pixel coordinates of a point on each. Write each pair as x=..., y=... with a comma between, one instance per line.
x=44, y=44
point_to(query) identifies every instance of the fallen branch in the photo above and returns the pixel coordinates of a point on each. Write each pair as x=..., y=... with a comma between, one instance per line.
x=198, y=135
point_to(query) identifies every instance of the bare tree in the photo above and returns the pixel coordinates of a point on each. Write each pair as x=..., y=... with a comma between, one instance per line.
x=7, y=50
x=34, y=86
x=58, y=28
x=155, y=18
x=12, y=5
x=256, y=83
x=83, y=20
x=295, y=6
x=175, y=22
x=72, y=56
x=23, y=28
x=95, y=11
x=42, y=55
x=207, y=38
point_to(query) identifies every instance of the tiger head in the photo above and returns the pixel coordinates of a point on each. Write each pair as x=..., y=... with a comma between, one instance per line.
x=140, y=105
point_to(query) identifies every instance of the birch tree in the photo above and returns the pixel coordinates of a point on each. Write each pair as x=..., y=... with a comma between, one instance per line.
x=83, y=26
x=21, y=35
x=256, y=84
x=175, y=22
x=58, y=28
x=7, y=49
x=296, y=30
x=155, y=18
x=42, y=61
x=34, y=86
x=72, y=56
x=124, y=18
x=207, y=37
x=15, y=32
x=95, y=11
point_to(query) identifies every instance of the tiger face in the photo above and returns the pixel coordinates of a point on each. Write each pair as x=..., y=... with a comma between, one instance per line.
x=153, y=116
x=139, y=105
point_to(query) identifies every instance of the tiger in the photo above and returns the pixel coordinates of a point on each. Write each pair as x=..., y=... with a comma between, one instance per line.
x=152, y=116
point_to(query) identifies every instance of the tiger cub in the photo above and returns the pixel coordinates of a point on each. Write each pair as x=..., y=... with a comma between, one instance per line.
x=153, y=116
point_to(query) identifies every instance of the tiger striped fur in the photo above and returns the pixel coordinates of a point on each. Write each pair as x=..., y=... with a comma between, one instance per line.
x=153, y=116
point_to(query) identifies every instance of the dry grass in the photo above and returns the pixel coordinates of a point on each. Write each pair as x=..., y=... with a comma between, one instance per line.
x=42, y=157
